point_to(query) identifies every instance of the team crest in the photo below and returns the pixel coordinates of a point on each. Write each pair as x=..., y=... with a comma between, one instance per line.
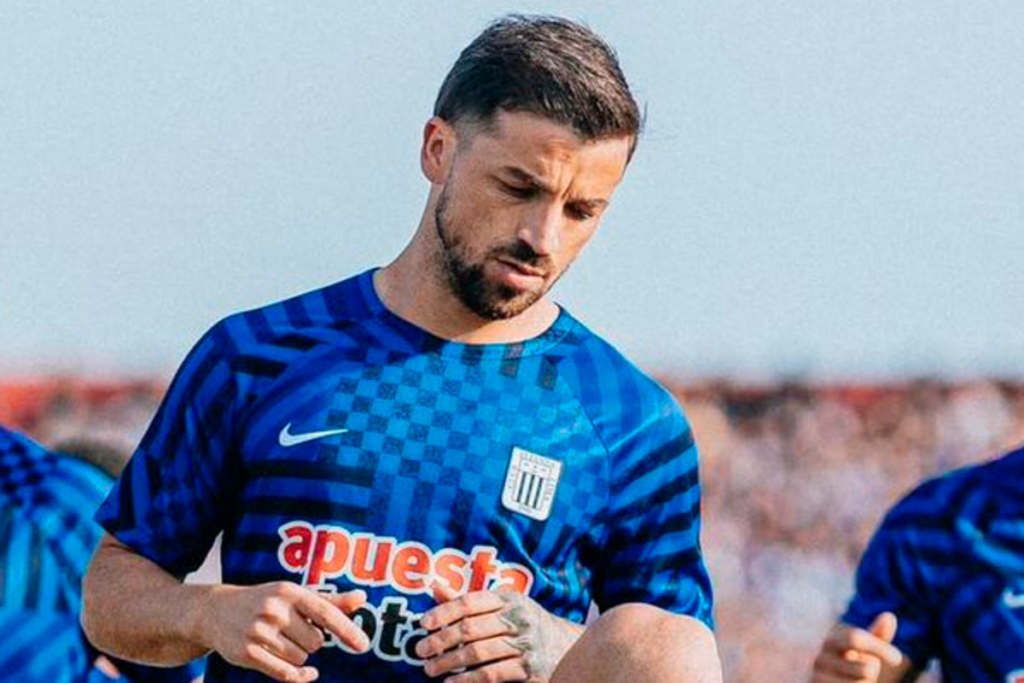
x=530, y=484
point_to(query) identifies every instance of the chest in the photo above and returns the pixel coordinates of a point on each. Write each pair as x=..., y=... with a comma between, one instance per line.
x=421, y=455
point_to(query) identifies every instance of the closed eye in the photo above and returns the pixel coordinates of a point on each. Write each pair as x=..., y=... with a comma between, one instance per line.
x=518, y=192
x=579, y=212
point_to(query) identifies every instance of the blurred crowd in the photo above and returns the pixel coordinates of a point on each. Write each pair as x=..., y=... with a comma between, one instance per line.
x=796, y=477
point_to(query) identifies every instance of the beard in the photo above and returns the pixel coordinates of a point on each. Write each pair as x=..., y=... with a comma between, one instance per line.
x=467, y=279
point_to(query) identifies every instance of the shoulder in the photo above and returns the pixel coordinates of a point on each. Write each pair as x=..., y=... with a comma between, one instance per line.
x=12, y=442
x=625, y=404
x=39, y=482
x=945, y=498
x=262, y=342
x=297, y=322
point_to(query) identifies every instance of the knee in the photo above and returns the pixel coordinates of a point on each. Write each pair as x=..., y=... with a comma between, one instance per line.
x=654, y=640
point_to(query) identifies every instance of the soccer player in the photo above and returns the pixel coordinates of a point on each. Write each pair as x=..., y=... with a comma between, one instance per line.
x=435, y=431
x=942, y=579
x=47, y=535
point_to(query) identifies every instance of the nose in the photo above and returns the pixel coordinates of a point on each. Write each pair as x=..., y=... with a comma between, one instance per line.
x=541, y=228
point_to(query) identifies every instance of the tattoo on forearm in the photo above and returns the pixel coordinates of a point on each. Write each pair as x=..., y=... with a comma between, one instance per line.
x=541, y=638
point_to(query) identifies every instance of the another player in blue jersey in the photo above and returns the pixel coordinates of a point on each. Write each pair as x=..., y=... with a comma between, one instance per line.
x=434, y=431
x=47, y=536
x=942, y=579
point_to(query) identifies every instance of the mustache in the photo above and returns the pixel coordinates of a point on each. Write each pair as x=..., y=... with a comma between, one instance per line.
x=522, y=253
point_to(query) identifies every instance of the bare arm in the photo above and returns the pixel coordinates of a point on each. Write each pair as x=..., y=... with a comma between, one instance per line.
x=137, y=611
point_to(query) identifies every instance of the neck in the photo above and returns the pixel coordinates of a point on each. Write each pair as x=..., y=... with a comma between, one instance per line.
x=414, y=288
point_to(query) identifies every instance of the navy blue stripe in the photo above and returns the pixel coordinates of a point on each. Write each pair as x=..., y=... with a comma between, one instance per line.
x=660, y=456
x=679, y=486
x=299, y=342
x=300, y=507
x=260, y=367
x=680, y=521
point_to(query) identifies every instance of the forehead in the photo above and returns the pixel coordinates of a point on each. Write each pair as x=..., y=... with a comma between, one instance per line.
x=550, y=151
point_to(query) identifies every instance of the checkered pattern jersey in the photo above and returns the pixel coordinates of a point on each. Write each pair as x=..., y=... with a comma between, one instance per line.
x=47, y=536
x=429, y=430
x=46, y=539
x=948, y=560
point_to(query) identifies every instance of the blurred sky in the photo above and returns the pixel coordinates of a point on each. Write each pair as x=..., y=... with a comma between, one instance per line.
x=825, y=187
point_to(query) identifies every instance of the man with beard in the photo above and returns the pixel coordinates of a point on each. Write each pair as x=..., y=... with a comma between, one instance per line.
x=431, y=469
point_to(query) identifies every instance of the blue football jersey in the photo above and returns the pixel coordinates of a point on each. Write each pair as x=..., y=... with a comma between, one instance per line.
x=47, y=537
x=341, y=447
x=948, y=560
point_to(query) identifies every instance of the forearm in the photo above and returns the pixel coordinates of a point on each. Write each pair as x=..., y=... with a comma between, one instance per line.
x=135, y=610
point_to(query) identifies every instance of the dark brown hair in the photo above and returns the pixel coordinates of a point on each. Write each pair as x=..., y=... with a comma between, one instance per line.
x=543, y=65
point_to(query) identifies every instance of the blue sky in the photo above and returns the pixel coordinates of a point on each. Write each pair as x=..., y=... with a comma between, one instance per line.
x=824, y=187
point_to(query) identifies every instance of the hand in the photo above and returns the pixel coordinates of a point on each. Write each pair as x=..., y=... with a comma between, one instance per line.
x=274, y=627
x=853, y=654
x=494, y=636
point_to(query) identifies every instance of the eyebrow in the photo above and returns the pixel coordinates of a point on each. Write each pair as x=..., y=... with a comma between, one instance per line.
x=529, y=179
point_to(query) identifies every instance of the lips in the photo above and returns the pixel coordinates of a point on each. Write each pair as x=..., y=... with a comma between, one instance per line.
x=523, y=268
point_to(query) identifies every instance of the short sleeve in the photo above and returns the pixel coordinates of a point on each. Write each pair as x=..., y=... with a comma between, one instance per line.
x=890, y=579
x=652, y=552
x=169, y=502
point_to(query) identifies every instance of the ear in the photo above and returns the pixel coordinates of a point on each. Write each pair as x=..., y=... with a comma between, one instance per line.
x=439, y=142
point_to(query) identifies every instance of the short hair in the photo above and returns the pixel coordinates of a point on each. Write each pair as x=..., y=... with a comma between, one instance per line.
x=543, y=65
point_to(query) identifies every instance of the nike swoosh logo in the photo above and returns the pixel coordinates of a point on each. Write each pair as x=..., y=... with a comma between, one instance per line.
x=286, y=438
x=1012, y=599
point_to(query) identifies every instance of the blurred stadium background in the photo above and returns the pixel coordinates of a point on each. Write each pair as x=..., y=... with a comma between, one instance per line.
x=828, y=192
x=796, y=476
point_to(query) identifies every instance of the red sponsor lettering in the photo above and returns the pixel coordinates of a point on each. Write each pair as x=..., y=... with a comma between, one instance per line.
x=324, y=552
x=363, y=573
x=411, y=567
x=449, y=568
x=297, y=542
x=482, y=568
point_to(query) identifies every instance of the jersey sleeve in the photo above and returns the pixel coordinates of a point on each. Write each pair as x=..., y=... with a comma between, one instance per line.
x=890, y=578
x=651, y=551
x=169, y=502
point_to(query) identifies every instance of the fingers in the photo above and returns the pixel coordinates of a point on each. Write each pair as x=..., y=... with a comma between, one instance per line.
x=327, y=615
x=267, y=663
x=505, y=670
x=831, y=666
x=283, y=647
x=470, y=604
x=471, y=655
x=347, y=602
x=884, y=626
x=848, y=638
x=306, y=636
x=443, y=592
x=466, y=631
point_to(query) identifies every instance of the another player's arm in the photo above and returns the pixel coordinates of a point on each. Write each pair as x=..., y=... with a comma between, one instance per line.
x=863, y=655
x=135, y=610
